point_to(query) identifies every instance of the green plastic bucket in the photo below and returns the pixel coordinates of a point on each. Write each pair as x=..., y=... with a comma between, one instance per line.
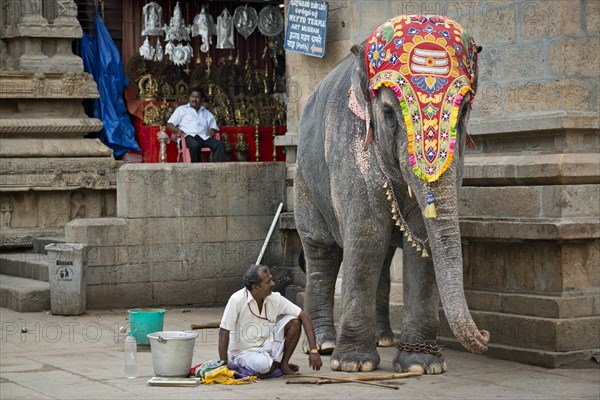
x=143, y=321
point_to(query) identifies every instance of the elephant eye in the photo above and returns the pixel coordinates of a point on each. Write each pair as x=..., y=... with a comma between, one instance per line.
x=389, y=115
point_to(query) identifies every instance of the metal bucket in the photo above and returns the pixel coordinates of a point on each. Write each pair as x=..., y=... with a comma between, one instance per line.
x=172, y=352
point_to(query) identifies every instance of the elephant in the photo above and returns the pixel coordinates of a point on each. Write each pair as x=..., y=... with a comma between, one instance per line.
x=379, y=164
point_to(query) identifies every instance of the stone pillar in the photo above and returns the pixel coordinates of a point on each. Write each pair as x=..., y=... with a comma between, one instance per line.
x=49, y=173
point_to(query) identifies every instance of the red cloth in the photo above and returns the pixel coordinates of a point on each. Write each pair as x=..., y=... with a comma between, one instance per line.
x=265, y=145
x=146, y=137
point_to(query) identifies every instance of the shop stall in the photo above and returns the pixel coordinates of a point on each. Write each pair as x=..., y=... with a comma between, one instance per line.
x=231, y=50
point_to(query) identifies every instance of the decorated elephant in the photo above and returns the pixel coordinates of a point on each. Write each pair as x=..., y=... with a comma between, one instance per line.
x=380, y=157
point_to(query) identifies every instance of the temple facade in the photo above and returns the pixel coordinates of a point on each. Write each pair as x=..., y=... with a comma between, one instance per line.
x=529, y=204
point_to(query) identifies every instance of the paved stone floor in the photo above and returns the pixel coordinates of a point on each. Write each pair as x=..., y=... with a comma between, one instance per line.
x=82, y=358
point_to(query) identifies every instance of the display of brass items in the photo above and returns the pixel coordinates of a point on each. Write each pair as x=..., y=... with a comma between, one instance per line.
x=152, y=115
x=241, y=148
x=163, y=139
x=165, y=110
x=148, y=88
x=227, y=145
x=182, y=91
x=256, y=142
x=231, y=97
x=274, y=148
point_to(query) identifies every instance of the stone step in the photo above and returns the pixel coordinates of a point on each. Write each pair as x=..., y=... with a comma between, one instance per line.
x=24, y=295
x=25, y=265
x=40, y=243
x=12, y=239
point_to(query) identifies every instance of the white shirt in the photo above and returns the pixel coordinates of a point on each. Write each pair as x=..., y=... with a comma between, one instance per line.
x=248, y=328
x=192, y=122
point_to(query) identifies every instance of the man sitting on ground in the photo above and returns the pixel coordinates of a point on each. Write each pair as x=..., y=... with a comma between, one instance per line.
x=260, y=328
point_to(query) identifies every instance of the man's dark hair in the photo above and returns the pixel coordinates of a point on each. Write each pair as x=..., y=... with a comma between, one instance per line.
x=252, y=277
x=196, y=89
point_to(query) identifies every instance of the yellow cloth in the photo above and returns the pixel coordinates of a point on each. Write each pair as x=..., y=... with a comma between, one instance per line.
x=224, y=375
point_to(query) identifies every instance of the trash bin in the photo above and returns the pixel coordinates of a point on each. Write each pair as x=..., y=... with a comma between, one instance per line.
x=67, y=277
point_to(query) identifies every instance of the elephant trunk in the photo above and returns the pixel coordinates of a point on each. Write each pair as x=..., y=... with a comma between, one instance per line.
x=444, y=239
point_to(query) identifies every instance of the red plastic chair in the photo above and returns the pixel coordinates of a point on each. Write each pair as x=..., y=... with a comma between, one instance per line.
x=205, y=153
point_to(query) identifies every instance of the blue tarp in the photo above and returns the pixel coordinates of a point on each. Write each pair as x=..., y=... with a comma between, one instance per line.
x=102, y=60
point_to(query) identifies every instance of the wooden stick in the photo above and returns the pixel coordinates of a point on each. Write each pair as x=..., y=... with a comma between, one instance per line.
x=374, y=377
x=380, y=377
x=390, y=385
x=207, y=325
x=345, y=380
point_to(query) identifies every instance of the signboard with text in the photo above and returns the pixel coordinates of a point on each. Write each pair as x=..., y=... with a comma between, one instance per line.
x=306, y=27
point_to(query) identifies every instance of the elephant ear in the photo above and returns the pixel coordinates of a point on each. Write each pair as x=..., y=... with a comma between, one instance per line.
x=360, y=101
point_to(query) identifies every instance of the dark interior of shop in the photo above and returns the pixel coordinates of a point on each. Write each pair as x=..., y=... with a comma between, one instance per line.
x=242, y=74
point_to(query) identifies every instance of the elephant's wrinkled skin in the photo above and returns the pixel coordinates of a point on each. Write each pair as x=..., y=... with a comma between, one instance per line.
x=342, y=212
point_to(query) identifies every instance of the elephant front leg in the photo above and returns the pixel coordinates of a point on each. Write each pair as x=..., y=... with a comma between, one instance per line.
x=420, y=318
x=322, y=267
x=356, y=348
x=383, y=329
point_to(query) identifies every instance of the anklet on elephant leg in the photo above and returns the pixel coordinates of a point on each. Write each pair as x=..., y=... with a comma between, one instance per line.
x=428, y=347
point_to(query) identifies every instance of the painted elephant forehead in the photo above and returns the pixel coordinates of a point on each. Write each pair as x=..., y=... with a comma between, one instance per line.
x=431, y=63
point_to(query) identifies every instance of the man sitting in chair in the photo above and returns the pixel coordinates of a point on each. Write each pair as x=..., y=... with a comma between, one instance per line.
x=197, y=126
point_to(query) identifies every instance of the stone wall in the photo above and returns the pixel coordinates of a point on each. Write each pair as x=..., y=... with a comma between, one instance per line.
x=529, y=205
x=539, y=56
x=184, y=233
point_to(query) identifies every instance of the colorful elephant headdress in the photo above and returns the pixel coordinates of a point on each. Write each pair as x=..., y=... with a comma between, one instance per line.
x=431, y=63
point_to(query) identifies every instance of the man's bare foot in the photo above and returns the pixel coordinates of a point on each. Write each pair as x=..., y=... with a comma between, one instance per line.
x=290, y=369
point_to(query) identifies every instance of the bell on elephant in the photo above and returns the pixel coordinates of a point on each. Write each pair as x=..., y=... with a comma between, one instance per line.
x=368, y=176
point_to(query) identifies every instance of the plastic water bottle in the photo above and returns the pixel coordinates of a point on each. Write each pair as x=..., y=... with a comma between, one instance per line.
x=130, y=356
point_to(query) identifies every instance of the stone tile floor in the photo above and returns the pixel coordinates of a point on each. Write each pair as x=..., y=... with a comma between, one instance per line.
x=82, y=358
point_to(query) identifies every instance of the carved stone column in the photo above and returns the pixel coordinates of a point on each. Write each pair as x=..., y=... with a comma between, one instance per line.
x=49, y=173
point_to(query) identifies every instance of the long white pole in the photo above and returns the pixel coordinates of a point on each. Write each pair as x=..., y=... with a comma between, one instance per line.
x=264, y=247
